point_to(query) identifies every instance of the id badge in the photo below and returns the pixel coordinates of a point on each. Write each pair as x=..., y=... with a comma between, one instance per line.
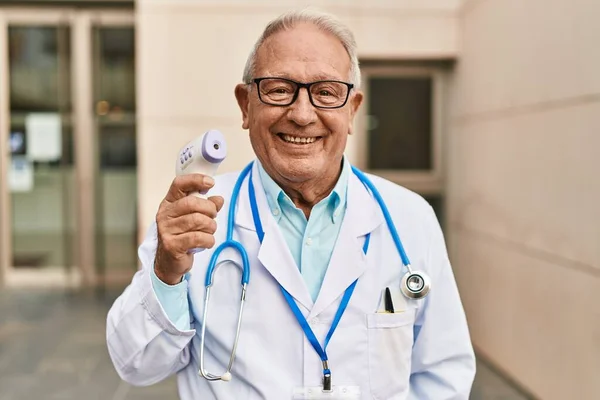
x=337, y=392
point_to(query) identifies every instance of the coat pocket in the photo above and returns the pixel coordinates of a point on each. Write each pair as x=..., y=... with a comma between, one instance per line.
x=390, y=351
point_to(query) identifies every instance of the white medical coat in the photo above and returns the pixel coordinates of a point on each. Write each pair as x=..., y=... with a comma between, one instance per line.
x=423, y=351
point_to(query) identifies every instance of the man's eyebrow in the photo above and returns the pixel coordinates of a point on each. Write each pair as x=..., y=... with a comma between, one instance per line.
x=325, y=77
x=313, y=78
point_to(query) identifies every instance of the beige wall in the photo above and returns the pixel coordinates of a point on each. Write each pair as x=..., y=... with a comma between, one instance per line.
x=523, y=189
x=191, y=55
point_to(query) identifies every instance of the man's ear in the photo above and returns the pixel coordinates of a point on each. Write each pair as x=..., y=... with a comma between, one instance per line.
x=242, y=94
x=355, y=103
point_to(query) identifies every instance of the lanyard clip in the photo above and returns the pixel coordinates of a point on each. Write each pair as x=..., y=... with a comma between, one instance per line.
x=326, y=377
x=327, y=382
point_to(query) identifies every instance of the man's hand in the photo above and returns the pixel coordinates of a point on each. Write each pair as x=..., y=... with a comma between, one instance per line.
x=184, y=223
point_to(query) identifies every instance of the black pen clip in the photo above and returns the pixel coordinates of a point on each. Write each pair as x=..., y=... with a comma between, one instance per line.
x=389, y=305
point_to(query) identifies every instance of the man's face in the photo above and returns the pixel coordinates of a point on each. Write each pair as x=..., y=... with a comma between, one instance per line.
x=304, y=54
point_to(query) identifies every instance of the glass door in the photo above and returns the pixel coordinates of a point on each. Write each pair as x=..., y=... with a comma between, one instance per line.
x=40, y=178
x=114, y=107
x=67, y=147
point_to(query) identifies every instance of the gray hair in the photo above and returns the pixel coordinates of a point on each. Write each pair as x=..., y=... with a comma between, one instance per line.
x=323, y=21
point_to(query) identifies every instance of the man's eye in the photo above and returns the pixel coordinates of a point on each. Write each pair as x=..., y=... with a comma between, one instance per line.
x=279, y=91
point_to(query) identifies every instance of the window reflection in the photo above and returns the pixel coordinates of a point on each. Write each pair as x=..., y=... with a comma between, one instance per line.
x=116, y=76
x=39, y=68
x=118, y=147
x=115, y=96
x=400, y=113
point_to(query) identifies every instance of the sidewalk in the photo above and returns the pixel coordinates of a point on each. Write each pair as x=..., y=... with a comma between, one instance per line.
x=52, y=347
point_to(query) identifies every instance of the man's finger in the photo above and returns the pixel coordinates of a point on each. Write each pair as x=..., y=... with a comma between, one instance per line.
x=190, y=223
x=190, y=240
x=189, y=205
x=186, y=184
x=218, y=200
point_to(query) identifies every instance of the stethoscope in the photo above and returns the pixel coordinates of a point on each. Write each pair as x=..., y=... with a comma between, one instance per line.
x=414, y=284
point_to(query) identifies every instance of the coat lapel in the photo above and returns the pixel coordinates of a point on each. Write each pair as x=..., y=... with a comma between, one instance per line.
x=348, y=262
x=273, y=254
x=277, y=259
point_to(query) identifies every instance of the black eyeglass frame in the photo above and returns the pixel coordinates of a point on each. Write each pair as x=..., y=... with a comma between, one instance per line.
x=300, y=85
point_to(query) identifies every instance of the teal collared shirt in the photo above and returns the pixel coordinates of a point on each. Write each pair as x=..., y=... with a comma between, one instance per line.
x=310, y=241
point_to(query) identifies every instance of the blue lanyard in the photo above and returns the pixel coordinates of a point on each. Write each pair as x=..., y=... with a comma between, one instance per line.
x=301, y=320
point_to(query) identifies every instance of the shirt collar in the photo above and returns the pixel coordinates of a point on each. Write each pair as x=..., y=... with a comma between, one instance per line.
x=336, y=199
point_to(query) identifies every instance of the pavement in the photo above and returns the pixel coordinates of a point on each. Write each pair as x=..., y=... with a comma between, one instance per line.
x=52, y=347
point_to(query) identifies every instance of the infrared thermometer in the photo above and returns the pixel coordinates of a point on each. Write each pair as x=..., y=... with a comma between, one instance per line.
x=202, y=155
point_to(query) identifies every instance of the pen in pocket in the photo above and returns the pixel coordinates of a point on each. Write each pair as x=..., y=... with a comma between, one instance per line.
x=389, y=304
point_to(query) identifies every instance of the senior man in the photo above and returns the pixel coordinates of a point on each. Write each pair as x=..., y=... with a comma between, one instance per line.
x=321, y=254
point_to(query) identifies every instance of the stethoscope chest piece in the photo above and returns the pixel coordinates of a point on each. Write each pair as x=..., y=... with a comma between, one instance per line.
x=415, y=284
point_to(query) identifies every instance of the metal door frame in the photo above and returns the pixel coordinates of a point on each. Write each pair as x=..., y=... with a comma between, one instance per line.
x=81, y=22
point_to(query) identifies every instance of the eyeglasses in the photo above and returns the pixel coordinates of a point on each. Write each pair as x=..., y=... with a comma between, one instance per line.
x=322, y=94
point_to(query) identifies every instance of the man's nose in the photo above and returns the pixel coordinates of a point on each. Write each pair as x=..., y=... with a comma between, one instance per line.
x=302, y=112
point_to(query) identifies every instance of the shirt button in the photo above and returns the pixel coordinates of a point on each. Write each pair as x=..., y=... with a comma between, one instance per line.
x=308, y=241
x=314, y=321
x=276, y=211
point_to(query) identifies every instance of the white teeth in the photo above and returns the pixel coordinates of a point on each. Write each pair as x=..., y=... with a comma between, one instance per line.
x=296, y=139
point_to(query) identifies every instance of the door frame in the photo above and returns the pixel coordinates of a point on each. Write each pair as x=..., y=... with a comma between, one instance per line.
x=81, y=22
x=424, y=182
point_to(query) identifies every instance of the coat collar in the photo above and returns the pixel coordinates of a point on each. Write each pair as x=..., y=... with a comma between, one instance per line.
x=348, y=262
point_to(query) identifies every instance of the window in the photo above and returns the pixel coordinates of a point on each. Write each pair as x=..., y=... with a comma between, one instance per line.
x=398, y=134
x=400, y=123
x=398, y=130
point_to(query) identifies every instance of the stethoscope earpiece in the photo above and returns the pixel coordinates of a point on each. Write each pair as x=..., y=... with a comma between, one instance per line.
x=415, y=285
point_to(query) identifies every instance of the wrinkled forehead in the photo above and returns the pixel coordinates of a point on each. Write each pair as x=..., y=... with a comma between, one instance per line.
x=305, y=53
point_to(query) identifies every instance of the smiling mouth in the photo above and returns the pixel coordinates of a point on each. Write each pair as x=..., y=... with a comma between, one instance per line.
x=298, y=139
